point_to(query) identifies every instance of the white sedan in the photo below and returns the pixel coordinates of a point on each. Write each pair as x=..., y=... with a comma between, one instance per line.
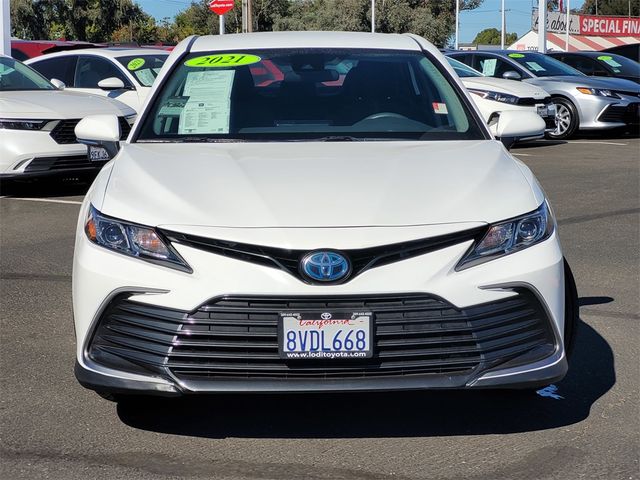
x=495, y=95
x=324, y=231
x=125, y=74
x=37, y=121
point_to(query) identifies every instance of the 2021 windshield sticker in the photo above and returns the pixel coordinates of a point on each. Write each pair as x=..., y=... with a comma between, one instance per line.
x=135, y=64
x=223, y=60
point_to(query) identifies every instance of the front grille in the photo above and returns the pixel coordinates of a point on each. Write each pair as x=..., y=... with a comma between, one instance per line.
x=530, y=101
x=289, y=260
x=63, y=133
x=629, y=114
x=72, y=162
x=237, y=337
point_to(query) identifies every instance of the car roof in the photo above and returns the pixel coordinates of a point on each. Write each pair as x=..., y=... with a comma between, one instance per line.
x=304, y=40
x=108, y=52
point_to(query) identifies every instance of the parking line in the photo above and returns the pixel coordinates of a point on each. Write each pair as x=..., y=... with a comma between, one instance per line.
x=523, y=154
x=599, y=143
x=45, y=200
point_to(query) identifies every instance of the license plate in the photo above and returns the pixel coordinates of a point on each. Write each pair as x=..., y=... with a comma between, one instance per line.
x=325, y=335
x=98, y=154
x=546, y=110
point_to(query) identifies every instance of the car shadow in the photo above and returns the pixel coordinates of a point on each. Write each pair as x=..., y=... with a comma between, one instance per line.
x=60, y=186
x=399, y=414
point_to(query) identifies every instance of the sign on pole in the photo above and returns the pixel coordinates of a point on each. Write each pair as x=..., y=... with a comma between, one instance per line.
x=220, y=7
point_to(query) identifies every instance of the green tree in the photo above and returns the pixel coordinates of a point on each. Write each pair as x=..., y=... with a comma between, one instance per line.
x=611, y=7
x=491, y=36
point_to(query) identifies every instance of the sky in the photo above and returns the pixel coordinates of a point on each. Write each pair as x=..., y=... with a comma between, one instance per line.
x=518, y=15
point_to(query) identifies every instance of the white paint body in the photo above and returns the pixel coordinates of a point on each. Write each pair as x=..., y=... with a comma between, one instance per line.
x=257, y=193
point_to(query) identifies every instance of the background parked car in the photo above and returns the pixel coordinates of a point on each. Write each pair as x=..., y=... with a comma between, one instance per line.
x=598, y=64
x=37, y=123
x=125, y=74
x=582, y=103
x=631, y=51
x=25, y=49
x=495, y=95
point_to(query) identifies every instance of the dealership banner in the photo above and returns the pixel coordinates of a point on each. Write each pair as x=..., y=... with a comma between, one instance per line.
x=590, y=25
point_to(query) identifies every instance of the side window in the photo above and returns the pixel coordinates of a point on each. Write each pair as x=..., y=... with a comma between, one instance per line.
x=91, y=70
x=492, y=66
x=60, y=68
x=464, y=58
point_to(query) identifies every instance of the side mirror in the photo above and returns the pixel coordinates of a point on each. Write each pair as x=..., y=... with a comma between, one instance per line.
x=111, y=83
x=101, y=134
x=513, y=125
x=511, y=75
x=59, y=84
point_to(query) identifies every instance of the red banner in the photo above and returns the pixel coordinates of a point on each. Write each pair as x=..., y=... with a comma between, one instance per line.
x=609, y=26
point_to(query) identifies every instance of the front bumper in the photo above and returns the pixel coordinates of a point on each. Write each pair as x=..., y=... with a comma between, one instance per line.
x=602, y=113
x=138, y=351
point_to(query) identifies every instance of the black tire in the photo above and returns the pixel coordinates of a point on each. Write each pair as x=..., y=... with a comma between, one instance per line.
x=567, y=120
x=571, y=309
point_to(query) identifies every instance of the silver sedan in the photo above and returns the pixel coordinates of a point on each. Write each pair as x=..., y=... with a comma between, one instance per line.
x=582, y=102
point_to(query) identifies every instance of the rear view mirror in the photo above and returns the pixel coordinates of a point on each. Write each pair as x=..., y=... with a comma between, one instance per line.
x=101, y=134
x=512, y=75
x=515, y=125
x=59, y=84
x=111, y=83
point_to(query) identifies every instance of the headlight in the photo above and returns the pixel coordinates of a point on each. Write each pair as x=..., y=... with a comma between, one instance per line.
x=19, y=124
x=597, y=91
x=495, y=96
x=133, y=240
x=511, y=236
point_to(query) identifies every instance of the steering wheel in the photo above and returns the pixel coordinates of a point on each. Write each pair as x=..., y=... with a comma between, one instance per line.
x=377, y=116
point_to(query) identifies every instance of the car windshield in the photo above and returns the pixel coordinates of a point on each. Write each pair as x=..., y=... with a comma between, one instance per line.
x=543, y=65
x=619, y=64
x=15, y=76
x=463, y=70
x=309, y=94
x=144, y=68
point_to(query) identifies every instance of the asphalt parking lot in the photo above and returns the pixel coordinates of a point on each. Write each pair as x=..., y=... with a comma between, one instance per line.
x=586, y=427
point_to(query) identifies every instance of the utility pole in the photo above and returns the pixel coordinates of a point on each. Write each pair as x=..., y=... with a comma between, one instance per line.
x=503, y=27
x=566, y=35
x=457, y=23
x=542, y=26
x=245, y=16
x=373, y=16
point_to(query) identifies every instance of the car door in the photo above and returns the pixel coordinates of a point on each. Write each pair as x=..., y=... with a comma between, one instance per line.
x=91, y=69
x=61, y=68
x=494, y=66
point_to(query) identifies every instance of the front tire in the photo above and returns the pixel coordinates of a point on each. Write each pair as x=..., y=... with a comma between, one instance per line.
x=567, y=120
x=571, y=309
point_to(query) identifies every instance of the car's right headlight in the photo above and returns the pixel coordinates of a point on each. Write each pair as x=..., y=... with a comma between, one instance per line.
x=600, y=92
x=132, y=240
x=495, y=96
x=511, y=236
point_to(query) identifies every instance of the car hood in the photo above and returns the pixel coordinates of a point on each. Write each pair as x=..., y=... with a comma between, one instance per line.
x=519, y=89
x=317, y=184
x=58, y=104
x=595, y=82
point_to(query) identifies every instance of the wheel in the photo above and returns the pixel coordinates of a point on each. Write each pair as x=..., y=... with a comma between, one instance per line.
x=567, y=120
x=571, y=309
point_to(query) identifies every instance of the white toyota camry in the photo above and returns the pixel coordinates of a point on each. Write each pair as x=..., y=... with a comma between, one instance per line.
x=348, y=224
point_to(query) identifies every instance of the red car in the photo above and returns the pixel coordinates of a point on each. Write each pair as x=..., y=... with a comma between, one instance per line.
x=25, y=49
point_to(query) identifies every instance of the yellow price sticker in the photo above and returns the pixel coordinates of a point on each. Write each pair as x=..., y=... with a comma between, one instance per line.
x=223, y=60
x=135, y=64
x=516, y=55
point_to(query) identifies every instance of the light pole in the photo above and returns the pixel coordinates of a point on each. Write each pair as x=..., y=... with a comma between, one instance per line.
x=566, y=35
x=373, y=16
x=503, y=27
x=457, y=22
x=5, y=28
x=542, y=26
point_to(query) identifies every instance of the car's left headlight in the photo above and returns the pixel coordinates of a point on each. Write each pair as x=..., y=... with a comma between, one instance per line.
x=20, y=124
x=132, y=240
x=495, y=96
x=511, y=236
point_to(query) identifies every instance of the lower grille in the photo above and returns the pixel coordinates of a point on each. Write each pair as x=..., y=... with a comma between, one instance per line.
x=621, y=114
x=73, y=162
x=64, y=132
x=237, y=337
